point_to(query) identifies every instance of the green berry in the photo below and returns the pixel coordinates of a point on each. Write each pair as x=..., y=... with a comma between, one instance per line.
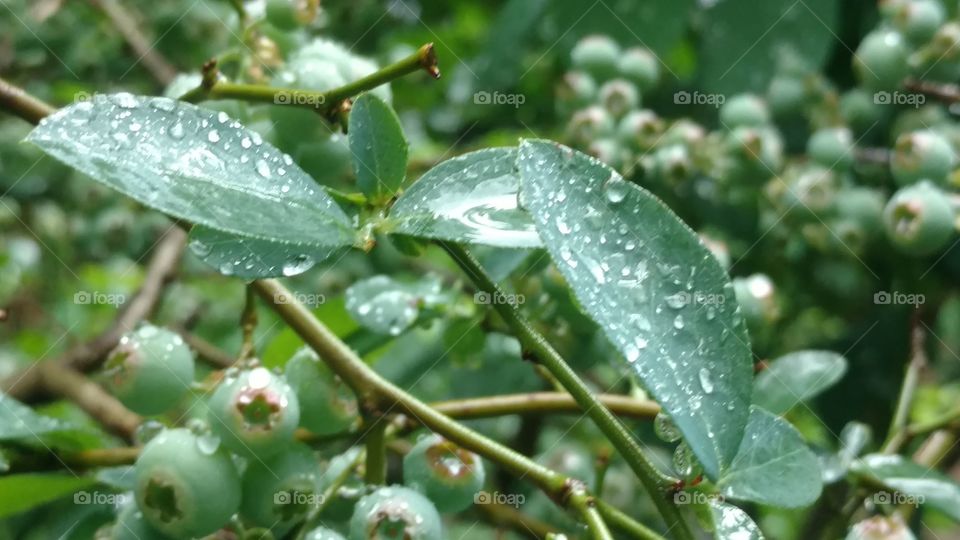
x=323, y=533
x=859, y=108
x=787, y=94
x=577, y=89
x=755, y=295
x=640, y=129
x=922, y=155
x=131, y=525
x=597, y=55
x=744, y=110
x=755, y=152
x=254, y=412
x=151, y=370
x=919, y=20
x=640, y=66
x=186, y=485
x=861, y=206
x=588, y=124
x=832, y=147
x=684, y=131
x=327, y=406
x=673, y=162
x=619, y=96
x=607, y=150
x=395, y=513
x=919, y=219
x=282, y=489
x=881, y=60
x=448, y=475
x=282, y=14
x=881, y=528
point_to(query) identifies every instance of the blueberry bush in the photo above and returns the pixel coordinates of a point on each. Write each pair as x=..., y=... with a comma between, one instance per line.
x=661, y=269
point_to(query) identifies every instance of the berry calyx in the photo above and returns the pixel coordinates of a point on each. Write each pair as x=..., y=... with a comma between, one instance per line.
x=919, y=219
x=447, y=474
x=395, y=513
x=151, y=370
x=922, y=155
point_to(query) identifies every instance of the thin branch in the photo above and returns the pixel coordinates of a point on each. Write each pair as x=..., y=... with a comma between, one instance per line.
x=67, y=382
x=898, y=434
x=584, y=504
x=508, y=516
x=126, y=23
x=248, y=324
x=542, y=403
x=205, y=350
x=947, y=93
x=17, y=101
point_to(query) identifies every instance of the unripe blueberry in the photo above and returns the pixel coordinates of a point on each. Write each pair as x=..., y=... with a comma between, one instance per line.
x=744, y=110
x=577, y=89
x=607, y=150
x=150, y=370
x=881, y=60
x=940, y=59
x=597, y=55
x=588, y=124
x=185, y=486
x=757, y=300
x=395, y=513
x=640, y=129
x=447, y=474
x=922, y=155
x=323, y=533
x=862, y=206
x=619, y=96
x=282, y=489
x=787, y=94
x=919, y=219
x=290, y=14
x=813, y=188
x=859, y=108
x=640, y=66
x=832, y=147
x=131, y=525
x=881, y=528
x=673, y=162
x=919, y=20
x=755, y=152
x=254, y=413
x=684, y=131
x=327, y=406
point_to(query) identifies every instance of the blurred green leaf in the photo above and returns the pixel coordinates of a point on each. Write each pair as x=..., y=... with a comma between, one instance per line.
x=647, y=280
x=387, y=306
x=924, y=485
x=22, y=492
x=773, y=466
x=379, y=148
x=795, y=378
x=17, y=421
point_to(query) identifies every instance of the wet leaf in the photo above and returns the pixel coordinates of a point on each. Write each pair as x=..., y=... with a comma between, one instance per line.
x=387, y=306
x=253, y=258
x=199, y=166
x=732, y=523
x=19, y=422
x=797, y=377
x=471, y=198
x=379, y=148
x=22, y=492
x=920, y=485
x=774, y=465
x=660, y=296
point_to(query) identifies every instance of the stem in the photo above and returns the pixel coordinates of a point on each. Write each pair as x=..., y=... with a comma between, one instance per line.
x=312, y=520
x=654, y=481
x=508, y=516
x=625, y=523
x=897, y=435
x=61, y=380
x=323, y=102
x=376, y=444
x=585, y=506
x=947, y=93
x=248, y=323
x=126, y=23
x=17, y=101
x=539, y=403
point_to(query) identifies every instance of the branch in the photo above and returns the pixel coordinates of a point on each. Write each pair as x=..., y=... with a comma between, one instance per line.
x=322, y=102
x=947, y=93
x=67, y=382
x=898, y=434
x=17, y=101
x=541, y=403
x=205, y=350
x=124, y=21
x=656, y=484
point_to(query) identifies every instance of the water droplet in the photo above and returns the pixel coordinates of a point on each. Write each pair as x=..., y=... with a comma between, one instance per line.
x=176, y=131
x=297, y=265
x=616, y=189
x=259, y=378
x=208, y=443
x=705, y=381
x=213, y=136
x=678, y=322
x=246, y=142
x=665, y=429
x=147, y=431
x=263, y=169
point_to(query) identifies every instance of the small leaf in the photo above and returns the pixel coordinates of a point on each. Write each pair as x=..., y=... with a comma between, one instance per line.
x=379, y=148
x=797, y=377
x=925, y=485
x=253, y=258
x=22, y=492
x=774, y=465
x=471, y=198
x=660, y=296
x=19, y=422
x=196, y=165
x=386, y=306
x=732, y=523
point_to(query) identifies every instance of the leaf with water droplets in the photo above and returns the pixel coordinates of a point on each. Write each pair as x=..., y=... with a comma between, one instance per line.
x=197, y=165
x=253, y=258
x=471, y=198
x=774, y=465
x=658, y=293
x=912, y=481
x=732, y=523
x=379, y=148
x=795, y=378
x=387, y=306
x=19, y=422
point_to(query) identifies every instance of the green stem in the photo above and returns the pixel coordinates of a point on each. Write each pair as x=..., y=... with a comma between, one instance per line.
x=624, y=523
x=585, y=506
x=653, y=480
x=14, y=99
x=897, y=434
x=323, y=102
x=312, y=520
x=376, y=444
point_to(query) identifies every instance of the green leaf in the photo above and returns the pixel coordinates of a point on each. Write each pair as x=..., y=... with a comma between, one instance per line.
x=387, y=306
x=656, y=24
x=925, y=485
x=471, y=198
x=196, y=165
x=17, y=421
x=379, y=148
x=732, y=523
x=746, y=40
x=22, y=492
x=660, y=296
x=253, y=258
x=774, y=465
x=797, y=377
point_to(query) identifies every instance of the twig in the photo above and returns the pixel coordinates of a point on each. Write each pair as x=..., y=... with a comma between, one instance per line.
x=375, y=441
x=205, y=350
x=248, y=324
x=947, y=93
x=64, y=381
x=15, y=100
x=126, y=23
x=507, y=516
x=898, y=434
x=540, y=403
